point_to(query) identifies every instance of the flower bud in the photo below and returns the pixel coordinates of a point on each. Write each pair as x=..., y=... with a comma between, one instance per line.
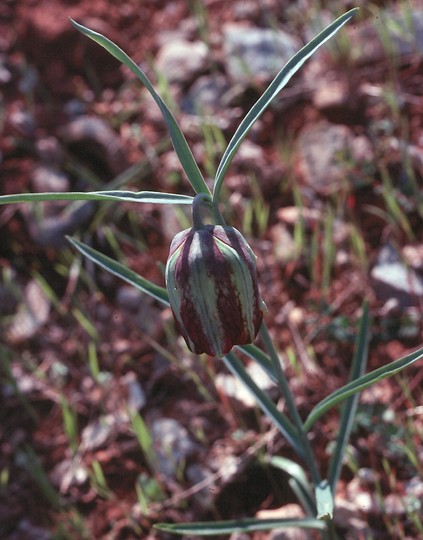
x=211, y=280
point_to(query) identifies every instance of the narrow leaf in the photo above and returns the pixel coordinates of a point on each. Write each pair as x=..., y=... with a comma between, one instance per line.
x=293, y=469
x=121, y=271
x=259, y=356
x=116, y=195
x=299, y=478
x=279, y=82
x=360, y=384
x=349, y=407
x=179, y=142
x=280, y=420
x=239, y=525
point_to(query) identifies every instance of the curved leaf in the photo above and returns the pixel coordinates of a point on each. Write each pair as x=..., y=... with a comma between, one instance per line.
x=360, y=384
x=349, y=407
x=179, y=142
x=279, y=82
x=298, y=482
x=259, y=356
x=239, y=525
x=115, y=195
x=280, y=420
x=121, y=271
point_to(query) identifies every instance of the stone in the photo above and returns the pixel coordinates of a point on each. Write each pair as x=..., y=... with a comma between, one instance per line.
x=32, y=314
x=288, y=511
x=324, y=154
x=253, y=53
x=234, y=388
x=172, y=444
x=136, y=398
x=205, y=95
x=93, y=141
x=51, y=231
x=181, y=61
x=46, y=178
x=284, y=246
x=393, y=279
x=399, y=32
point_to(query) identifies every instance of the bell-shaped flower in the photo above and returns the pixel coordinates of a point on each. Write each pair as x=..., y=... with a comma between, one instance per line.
x=211, y=279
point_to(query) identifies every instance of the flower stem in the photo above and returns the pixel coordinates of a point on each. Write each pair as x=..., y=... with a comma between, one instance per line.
x=200, y=201
x=290, y=402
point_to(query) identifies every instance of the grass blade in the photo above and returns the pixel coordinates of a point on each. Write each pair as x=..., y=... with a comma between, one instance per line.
x=360, y=384
x=116, y=195
x=279, y=82
x=281, y=421
x=256, y=354
x=121, y=271
x=300, y=482
x=179, y=142
x=239, y=525
x=349, y=407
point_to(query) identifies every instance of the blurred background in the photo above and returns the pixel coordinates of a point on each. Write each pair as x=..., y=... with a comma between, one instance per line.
x=108, y=424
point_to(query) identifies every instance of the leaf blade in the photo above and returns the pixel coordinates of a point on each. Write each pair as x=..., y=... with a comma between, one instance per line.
x=114, y=195
x=281, y=421
x=178, y=139
x=121, y=271
x=349, y=407
x=241, y=525
x=279, y=82
x=360, y=384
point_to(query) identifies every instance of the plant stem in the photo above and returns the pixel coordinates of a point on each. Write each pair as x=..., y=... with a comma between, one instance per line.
x=290, y=402
x=200, y=201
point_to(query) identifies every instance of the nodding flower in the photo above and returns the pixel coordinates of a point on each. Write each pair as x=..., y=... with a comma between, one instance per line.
x=211, y=279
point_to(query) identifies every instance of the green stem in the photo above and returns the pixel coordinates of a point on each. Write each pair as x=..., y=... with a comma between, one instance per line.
x=290, y=402
x=199, y=202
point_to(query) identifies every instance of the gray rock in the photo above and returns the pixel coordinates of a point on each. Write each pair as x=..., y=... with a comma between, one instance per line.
x=136, y=395
x=23, y=122
x=172, y=443
x=205, y=95
x=98, y=432
x=256, y=53
x=288, y=511
x=49, y=151
x=399, y=33
x=181, y=61
x=45, y=178
x=94, y=141
x=32, y=314
x=234, y=388
x=324, y=154
x=392, y=279
x=52, y=229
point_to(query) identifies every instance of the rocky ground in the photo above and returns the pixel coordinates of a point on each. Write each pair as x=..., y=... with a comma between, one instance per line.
x=108, y=424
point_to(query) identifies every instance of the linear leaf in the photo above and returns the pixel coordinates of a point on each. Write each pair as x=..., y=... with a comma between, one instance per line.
x=349, y=407
x=280, y=420
x=121, y=271
x=299, y=481
x=279, y=82
x=293, y=469
x=360, y=384
x=115, y=195
x=259, y=356
x=178, y=139
x=239, y=525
